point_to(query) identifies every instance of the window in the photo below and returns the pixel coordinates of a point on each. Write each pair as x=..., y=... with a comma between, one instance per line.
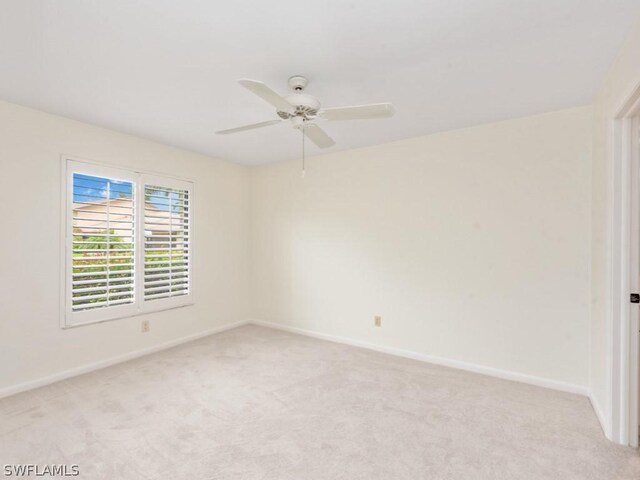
x=128, y=244
x=103, y=252
x=166, y=242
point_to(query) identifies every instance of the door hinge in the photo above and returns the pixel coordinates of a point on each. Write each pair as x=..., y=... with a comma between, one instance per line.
x=635, y=298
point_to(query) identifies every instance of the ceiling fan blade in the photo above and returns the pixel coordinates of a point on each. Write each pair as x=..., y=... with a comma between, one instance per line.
x=264, y=92
x=359, y=112
x=249, y=127
x=318, y=136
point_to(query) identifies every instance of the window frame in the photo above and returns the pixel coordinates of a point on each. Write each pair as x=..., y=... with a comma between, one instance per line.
x=139, y=179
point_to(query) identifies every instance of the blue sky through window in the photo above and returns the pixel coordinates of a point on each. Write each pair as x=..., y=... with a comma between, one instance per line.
x=87, y=188
x=90, y=189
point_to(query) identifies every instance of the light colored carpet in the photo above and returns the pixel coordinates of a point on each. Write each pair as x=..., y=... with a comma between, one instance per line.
x=255, y=403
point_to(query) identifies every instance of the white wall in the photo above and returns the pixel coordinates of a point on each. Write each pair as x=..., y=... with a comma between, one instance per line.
x=623, y=77
x=473, y=245
x=32, y=345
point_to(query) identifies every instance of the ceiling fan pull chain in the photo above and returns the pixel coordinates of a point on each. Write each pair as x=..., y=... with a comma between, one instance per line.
x=304, y=171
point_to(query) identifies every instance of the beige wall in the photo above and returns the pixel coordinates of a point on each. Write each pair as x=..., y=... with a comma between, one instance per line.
x=32, y=345
x=473, y=245
x=623, y=77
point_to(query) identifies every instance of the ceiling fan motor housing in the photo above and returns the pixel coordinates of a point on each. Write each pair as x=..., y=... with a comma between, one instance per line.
x=304, y=105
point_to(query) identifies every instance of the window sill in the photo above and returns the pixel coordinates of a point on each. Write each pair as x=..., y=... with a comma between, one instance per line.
x=139, y=313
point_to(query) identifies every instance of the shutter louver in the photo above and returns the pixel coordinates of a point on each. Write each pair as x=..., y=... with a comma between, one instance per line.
x=166, y=242
x=103, y=245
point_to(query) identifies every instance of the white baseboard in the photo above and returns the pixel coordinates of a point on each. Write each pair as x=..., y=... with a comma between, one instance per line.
x=72, y=372
x=470, y=367
x=600, y=415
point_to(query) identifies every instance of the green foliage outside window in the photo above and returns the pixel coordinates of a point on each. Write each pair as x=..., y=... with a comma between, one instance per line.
x=94, y=253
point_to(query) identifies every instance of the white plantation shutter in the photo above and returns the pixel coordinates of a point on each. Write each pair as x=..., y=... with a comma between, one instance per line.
x=127, y=241
x=101, y=234
x=167, y=253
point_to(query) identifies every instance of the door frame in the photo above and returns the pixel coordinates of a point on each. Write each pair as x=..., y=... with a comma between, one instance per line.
x=625, y=277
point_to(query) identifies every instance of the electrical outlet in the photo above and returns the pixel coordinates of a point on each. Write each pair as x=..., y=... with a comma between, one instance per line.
x=145, y=326
x=377, y=321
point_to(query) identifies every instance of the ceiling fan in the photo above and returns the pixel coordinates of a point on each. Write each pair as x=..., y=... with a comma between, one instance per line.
x=301, y=109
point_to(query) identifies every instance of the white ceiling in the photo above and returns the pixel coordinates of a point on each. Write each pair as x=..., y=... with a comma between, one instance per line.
x=167, y=69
